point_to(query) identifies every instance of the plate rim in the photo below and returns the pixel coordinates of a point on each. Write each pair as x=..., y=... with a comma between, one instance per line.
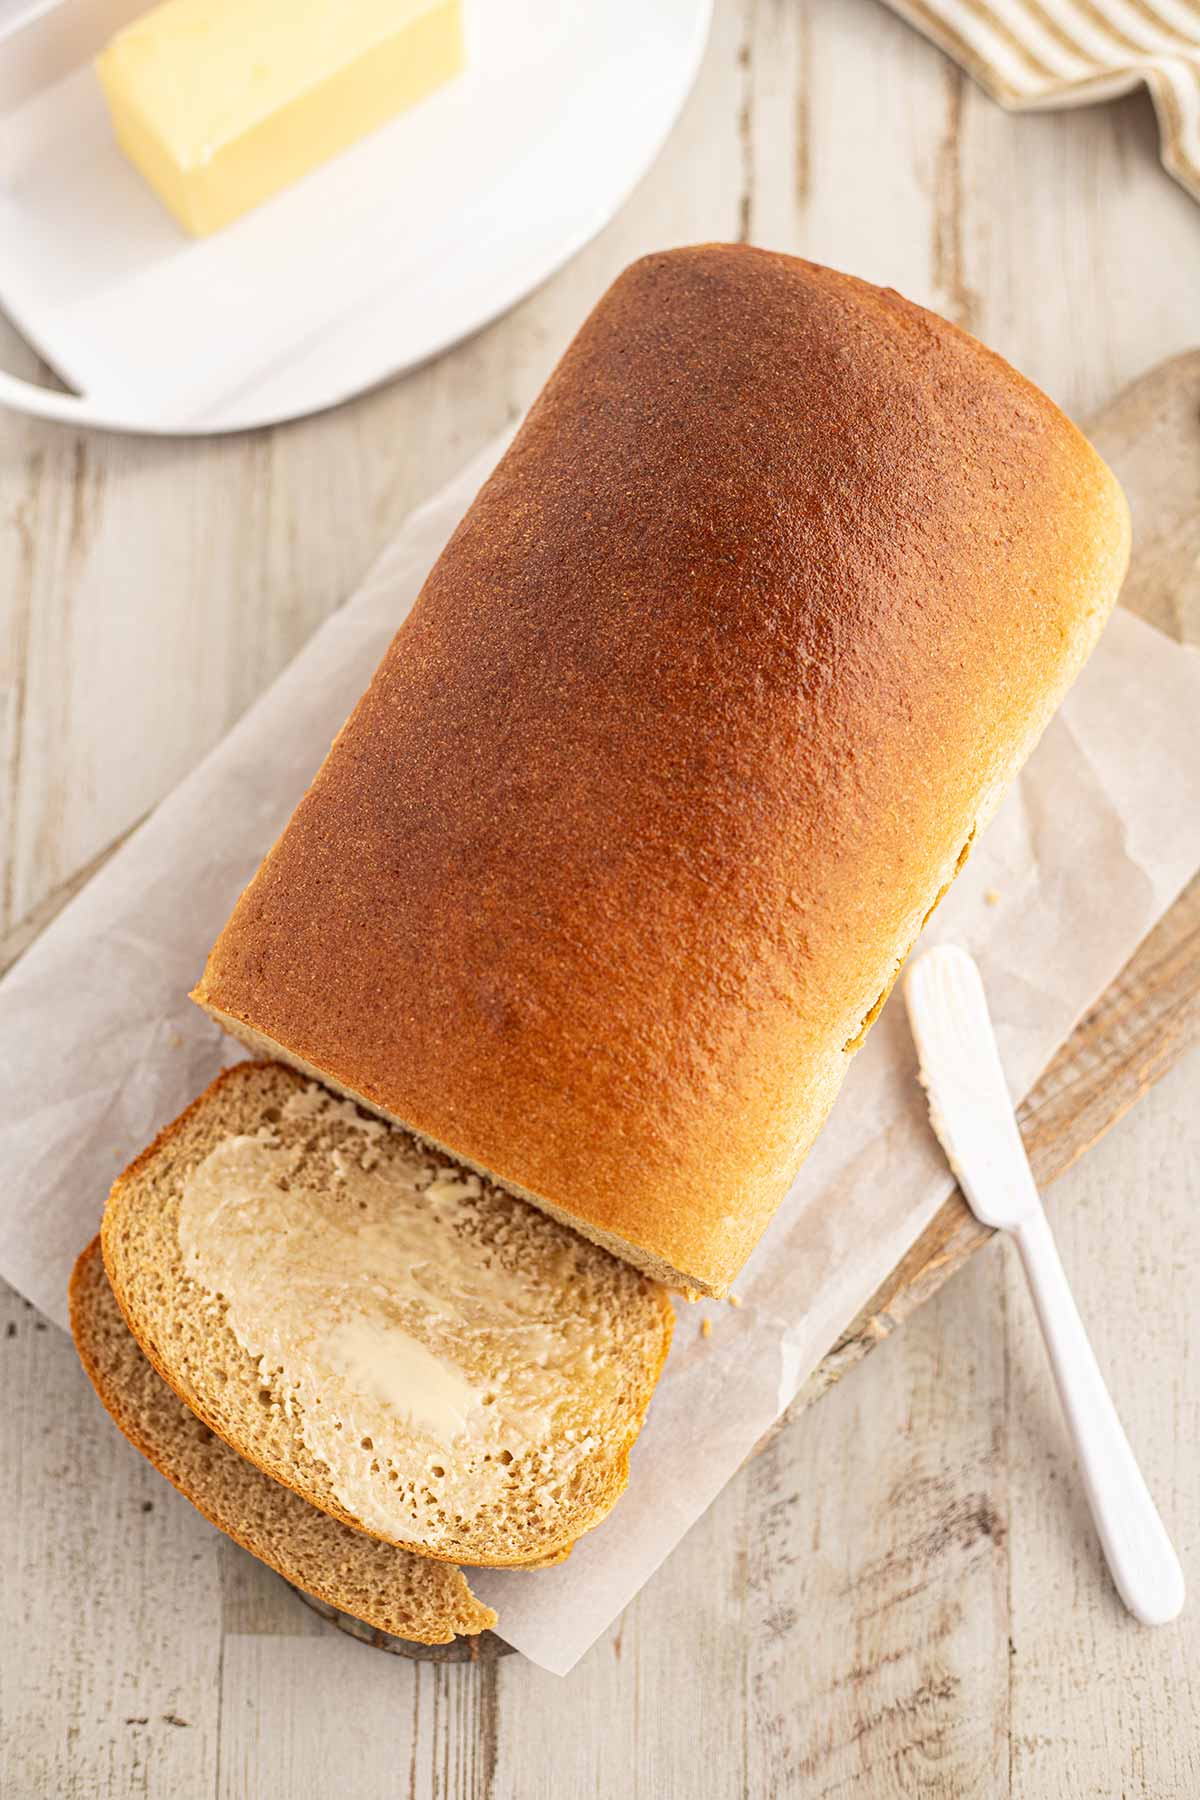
x=74, y=406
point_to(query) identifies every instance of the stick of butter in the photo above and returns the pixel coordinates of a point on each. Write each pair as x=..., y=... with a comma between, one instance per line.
x=220, y=103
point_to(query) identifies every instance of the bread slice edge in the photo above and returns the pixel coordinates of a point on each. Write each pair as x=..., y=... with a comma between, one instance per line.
x=265, y=1048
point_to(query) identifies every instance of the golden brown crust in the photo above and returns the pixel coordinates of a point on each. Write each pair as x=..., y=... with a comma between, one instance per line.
x=456, y=1608
x=695, y=715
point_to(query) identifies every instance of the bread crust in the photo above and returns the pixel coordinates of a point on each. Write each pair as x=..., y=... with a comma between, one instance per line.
x=458, y=1612
x=604, y=878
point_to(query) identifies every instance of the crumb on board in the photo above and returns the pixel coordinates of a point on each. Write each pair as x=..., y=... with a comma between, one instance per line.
x=735, y=1299
x=992, y=896
x=691, y=1295
x=706, y=1328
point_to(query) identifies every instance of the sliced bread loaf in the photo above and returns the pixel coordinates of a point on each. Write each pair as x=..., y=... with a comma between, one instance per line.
x=412, y=1350
x=772, y=594
x=407, y=1595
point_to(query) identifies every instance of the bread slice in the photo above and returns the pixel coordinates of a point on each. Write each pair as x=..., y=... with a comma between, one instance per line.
x=411, y=1350
x=409, y=1596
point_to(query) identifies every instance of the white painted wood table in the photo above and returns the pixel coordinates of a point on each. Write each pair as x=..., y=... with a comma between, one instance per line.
x=902, y=1596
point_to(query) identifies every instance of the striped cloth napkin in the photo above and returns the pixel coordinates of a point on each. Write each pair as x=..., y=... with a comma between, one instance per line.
x=1045, y=53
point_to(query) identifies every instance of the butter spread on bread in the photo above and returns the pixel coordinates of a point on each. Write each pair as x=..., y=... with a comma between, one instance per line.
x=412, y=1351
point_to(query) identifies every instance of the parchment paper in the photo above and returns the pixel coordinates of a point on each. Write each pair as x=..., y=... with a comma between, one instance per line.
x=99, y=1046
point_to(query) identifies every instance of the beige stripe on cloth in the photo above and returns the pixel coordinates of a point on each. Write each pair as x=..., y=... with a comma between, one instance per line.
x=1045, y=53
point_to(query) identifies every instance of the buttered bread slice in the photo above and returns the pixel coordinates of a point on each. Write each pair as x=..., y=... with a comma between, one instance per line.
x=410, y=1596
x=407, y=1347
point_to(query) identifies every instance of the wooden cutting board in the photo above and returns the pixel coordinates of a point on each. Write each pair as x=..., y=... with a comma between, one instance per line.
x=1147, y=1018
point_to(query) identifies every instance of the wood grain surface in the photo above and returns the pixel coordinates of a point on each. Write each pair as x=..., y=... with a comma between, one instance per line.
x=902, y=1595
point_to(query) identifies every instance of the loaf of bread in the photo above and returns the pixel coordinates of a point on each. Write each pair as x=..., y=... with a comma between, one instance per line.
x=615, y=862
x=410, y=1596
x=410, y=1351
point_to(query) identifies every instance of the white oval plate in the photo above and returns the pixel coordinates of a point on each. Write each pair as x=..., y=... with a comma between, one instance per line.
x=407, y=242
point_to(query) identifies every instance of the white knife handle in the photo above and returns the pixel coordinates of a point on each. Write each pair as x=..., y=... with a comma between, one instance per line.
x=1144, y=1566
